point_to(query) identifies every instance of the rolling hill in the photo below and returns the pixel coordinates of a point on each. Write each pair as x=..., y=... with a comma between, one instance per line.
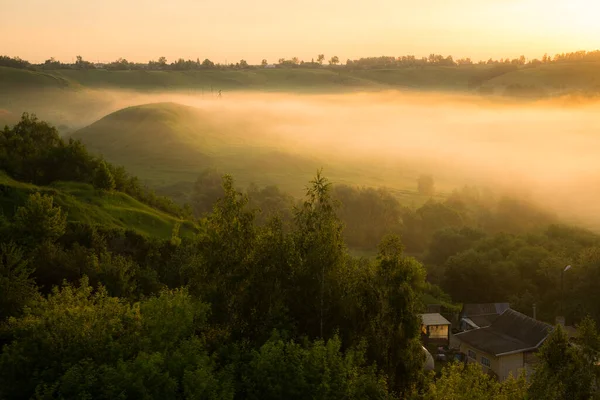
x=167, y=143
x=552, y=78
x=72, y=99
x=86, y=205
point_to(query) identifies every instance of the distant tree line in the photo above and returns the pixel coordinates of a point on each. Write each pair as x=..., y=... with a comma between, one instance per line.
x=294, y=62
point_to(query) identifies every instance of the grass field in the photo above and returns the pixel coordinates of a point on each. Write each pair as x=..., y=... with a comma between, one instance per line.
x=85, y=204
x=555, y=77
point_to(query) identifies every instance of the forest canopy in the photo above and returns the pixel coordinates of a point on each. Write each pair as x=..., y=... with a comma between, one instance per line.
x=266, y=305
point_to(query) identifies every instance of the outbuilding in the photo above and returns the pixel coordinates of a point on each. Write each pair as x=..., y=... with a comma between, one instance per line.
x=435, y=329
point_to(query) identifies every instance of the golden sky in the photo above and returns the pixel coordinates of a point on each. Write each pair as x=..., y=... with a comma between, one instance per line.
x=230, y=30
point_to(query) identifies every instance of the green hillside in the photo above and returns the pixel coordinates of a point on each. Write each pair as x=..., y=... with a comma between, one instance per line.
x=553, y=77
x=549, y=77
x=86, y=205
x=166, y=143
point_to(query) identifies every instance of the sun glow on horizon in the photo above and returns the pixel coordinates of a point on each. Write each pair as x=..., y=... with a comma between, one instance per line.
x=104, y=31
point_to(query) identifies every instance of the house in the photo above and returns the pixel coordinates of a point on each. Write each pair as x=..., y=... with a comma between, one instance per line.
x=475, y=316
x=507, y=346
x=435, y=329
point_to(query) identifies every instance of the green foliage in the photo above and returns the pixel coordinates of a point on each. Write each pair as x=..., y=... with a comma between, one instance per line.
x=319, y=242
x=368, y=215
x=39, y=220
x=83, y=204
x=25, y=148
x=103, y=179
x=469, y=382
x=32, y=151
x=175, y=239
x=121, y=334
x=270, y=201
x=347, y=327
x=393, y=322
x=207, y=190
x=319, y=370
x=78, y=342
x=17, y=288
x=565, y=371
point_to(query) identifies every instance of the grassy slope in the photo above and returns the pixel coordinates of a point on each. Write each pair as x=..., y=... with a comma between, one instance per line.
x=84, y=204
x=564, y=76
x=168, y=145
x=578, y=76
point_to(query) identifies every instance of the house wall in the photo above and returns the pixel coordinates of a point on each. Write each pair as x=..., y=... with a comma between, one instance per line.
x=502, y=366
x=511, y=364
x=438, y=331
x=494, y=361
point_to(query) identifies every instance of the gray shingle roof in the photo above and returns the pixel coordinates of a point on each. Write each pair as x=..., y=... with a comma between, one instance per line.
x=471, y=310
x=484, y=320
x=510, y=332
x=433, y=319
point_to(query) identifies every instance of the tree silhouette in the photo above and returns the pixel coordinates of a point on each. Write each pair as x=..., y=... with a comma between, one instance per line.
x=103, y=179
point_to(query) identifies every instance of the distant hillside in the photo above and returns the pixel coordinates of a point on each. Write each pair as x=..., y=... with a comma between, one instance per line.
x=151, y=134
x=86, y=205
x=166, y=143
x=551, y=78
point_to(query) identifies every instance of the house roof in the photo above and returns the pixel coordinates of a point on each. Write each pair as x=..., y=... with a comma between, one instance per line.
x=471, y=310
x=433, y=319
x=481, y=321
x=511, y=332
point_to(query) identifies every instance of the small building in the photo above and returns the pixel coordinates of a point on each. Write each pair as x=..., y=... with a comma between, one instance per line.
x=507, y=346
x=475, y=316
x=435, y=329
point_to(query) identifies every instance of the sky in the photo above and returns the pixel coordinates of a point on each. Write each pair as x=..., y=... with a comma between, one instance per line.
x=230, y=30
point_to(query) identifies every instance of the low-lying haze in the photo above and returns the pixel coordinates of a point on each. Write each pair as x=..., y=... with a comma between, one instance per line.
x=545, y=150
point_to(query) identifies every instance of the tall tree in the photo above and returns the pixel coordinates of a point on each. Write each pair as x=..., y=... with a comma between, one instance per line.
x=207, y=190
x=318, y=237
x=564, y=371
x=394, y=323
x=103, y=178
x=39, y=220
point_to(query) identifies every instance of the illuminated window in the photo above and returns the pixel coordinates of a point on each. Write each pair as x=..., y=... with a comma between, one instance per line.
x=485, y=361
x=472, y=354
